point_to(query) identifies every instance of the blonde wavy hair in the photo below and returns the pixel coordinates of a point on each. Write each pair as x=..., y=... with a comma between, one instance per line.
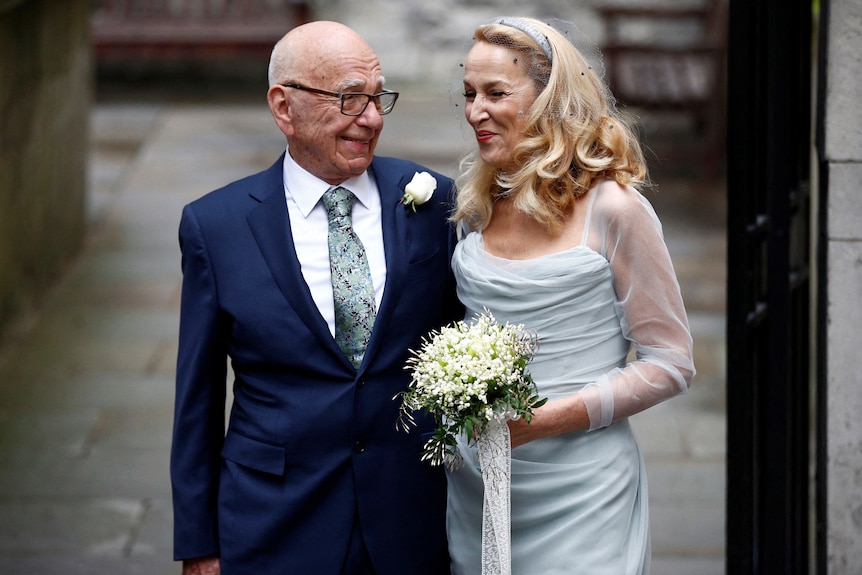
x=573, y=136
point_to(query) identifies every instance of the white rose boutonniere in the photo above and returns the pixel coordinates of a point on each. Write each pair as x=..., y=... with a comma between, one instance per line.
x=419, y=190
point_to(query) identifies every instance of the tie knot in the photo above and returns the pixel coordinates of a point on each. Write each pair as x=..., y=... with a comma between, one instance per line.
x=338, y=202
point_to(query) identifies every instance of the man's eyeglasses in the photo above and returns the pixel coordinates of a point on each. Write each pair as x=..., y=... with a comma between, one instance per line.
x=354, y=103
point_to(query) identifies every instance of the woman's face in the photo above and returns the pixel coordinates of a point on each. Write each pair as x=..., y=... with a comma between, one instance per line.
x=498, y=97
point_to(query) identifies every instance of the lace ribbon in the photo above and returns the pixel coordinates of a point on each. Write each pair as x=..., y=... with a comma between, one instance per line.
x=495, y=459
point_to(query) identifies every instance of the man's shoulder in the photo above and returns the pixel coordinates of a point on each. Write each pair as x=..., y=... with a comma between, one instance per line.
x=390, y=164
x=253, y=187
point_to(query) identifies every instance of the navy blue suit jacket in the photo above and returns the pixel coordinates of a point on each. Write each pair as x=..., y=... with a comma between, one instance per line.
x=310, y=440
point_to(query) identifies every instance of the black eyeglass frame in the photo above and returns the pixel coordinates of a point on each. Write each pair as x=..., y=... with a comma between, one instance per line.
x=341, y=95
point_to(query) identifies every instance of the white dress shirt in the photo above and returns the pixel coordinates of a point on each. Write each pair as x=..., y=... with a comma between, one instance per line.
x=309, y=225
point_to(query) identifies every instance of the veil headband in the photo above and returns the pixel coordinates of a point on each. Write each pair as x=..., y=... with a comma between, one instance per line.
x=530, y=31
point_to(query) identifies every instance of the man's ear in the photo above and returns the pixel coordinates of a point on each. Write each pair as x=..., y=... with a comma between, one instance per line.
x=279, y=106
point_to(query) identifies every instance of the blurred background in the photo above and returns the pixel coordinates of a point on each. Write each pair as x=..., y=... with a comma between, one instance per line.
x=117, y=113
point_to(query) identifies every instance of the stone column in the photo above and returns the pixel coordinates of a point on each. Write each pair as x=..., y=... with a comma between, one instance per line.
x=842, y=157
x=45, y=93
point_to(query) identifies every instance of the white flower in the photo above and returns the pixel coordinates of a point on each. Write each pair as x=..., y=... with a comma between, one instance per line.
x=464, y=375
x=419, y=190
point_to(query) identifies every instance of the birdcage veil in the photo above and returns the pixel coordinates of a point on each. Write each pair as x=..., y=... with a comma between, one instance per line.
x=573, y=131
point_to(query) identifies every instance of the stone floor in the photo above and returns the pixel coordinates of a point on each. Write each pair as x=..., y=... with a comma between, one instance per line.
x=86, y=387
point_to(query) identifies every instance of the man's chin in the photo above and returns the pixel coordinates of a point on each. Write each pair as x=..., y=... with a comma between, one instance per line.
x=356, y=166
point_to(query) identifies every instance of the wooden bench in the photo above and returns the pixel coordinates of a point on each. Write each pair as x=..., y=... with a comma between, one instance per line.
x=192, y=29
x=660, y=75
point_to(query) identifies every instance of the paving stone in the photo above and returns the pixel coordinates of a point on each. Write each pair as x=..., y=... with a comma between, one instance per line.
x=77, y=564
x=152, y=538
x=101, y=526
x=687, y=529
x=675, y=565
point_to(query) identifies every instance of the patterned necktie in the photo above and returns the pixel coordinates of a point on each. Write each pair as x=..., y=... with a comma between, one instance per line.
x=352, y=290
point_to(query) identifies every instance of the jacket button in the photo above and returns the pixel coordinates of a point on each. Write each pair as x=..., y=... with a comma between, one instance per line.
x=360, y=383
x=358, y=447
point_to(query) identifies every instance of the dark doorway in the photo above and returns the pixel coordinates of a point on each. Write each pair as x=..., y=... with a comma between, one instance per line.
x=769, y=522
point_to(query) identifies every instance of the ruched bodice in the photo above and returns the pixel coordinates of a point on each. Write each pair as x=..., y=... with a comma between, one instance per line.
x=577, y=343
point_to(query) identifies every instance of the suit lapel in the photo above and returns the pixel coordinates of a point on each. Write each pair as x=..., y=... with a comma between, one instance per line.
x=396, y=242
x=270, y=226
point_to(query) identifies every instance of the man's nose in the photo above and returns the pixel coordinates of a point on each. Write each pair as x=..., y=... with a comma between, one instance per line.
x=370, y=116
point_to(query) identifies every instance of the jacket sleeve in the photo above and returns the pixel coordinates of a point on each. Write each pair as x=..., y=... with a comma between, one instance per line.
x=199, y=411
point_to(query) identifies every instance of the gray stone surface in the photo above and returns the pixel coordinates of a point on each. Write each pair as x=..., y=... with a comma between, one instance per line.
x=843, y=130
x=86, y=394
x=45, y=93
x=845, y=207
x=842, y=155
x=844, y=404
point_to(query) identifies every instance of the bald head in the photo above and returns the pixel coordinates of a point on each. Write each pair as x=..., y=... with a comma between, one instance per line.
x=309, y=70
x=311, y=51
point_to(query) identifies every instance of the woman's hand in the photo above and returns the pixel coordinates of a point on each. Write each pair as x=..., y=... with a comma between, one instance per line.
x=554, y=418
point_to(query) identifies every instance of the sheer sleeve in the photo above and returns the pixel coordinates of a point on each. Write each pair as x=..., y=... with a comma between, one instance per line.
x=623, y=227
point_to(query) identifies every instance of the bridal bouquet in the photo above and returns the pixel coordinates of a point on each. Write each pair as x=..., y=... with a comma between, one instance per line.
x=465, y=376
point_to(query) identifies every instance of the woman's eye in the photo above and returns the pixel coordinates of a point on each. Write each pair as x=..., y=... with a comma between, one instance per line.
x=469, y=94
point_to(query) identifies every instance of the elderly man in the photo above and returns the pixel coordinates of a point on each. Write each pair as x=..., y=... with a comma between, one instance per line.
x=314, y=279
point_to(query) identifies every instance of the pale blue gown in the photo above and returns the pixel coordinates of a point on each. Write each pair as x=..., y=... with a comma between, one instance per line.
x=579, y=501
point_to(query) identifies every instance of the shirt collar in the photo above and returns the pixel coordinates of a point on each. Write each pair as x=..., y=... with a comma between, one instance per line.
x=306, y=189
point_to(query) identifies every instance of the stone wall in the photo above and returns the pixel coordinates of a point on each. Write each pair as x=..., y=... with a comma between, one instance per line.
x=842, y=162
x=45, y=92
x=423, y=42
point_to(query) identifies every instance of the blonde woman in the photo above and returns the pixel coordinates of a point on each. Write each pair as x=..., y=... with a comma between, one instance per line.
x=560, y=240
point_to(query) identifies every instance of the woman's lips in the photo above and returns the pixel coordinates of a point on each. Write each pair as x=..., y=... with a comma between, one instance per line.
x=483, y=136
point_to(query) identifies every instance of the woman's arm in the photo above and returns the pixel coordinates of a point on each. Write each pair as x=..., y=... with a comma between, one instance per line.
x=624, y=228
